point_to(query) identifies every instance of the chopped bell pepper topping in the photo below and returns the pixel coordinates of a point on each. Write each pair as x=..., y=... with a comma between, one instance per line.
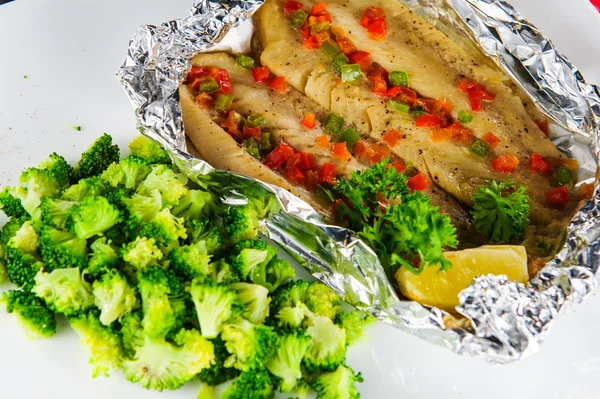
x=252, y=133
x=309, y=121
x=340, y=151
x=361, y=58
x=351, y=73
x=251, y=147
x=278, y=84
x=392, y=138
x=279, y=155
x=428, y=121
x=298, y=17
x=256, y=120
x=538, y=165
x=402, y=108
x=291, y=6
x=544, y=126
x=260, y=74
x=558, y=196
x=491, y=139
x=244, y=62
x=350, y=137
x=330, y=49
x=374, y=21
x=223, y=103
x=204, y=100
x=209, y=86
x=505, y=163
x=327, y=173
x=479, y=148
x=398, y=78
x=418, y=182
x=339, y=61
x=322, y=141
x=334, y=123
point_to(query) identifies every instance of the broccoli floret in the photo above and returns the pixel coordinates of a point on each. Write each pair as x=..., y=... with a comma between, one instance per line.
x=141, y=253
x=113, y=296
x=21, y=267
x=292, y=317
x=190, y=261
x=143, y=208
x=165, y=228
x=169, y=184
x=96, y=159
x=255, y=300
x=328, y=348
x=222, y=272
x=218, y=373
x=10, y=205
x=103, y=257
x=132, y=333
x=205, y=231
x=3, y=271
x=149, y=150
x=57, y=166
x=286, y=363
x=253, y=384
x=89, y=187
x=11, y=228
x=215, y=305
x=64, y=291
x=104, y=343
x=94, y=215
x=25, y=239
x=338, y=384
x=159, y=365
x=54, y=211
x=276, y=273
x=240, y=222
x=249, y=344
x=33, y=185
x=251, y=258
x=129, y=172
x=318, y=298
x=62, y=249
x=354, y=323
x=195, y=204
x=161, y=316
x=34, y=316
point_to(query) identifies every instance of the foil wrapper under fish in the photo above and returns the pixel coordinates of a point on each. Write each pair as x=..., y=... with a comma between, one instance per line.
x=509, y=320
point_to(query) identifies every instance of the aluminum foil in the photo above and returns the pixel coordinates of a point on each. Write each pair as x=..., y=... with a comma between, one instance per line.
x=509, y=320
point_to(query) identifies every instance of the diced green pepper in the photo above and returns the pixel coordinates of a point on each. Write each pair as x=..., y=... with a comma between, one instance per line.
x=350, y=137
x=334, y=123
x=480, y=148
x=351, y=73
x=208, y=86
x=563, y=176
x=338, y=61
x=255, y=120
x=325, y=192
x=223, y=103
x=402, y=108
x=318, y=28
x=418, y=113
x=298, y=17
x=244, y=62
x=264, y=145
x=251, y=147
x=398, y=78
x=330, y=48
x=464, y=117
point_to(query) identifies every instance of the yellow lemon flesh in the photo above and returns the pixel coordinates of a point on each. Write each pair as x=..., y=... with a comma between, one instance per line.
x=440, y=289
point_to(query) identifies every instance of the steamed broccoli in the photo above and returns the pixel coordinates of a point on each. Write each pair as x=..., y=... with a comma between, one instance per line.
x=241, y=222
x=34, y=316
x=3, y=271
x=354, y=323
x=96, y=159
x=25, y=239
x=221, y=272
x=251, y=257
x=249, y=344
x=205, y=231
x=255, y=300
x=169, y=184
x=328, y=348
x=89, y=187
x=141, y=253
x=113, y=296
x=64, y=291
x=148, y=150
x=62, y=249
x=253, y=384
x=190, y=261
x=10, y=205
x=218, y=373
x=132, y=332
x=58, y=167
x=338, y=384
x=215, y=305
x=21, y=267
x=318, y=298
x=274, y=274
x=104, y=343
x=143, y=208
x=195, y=205
x=94, y=215
x=286, y=363
x=33, y=185
x=129, y=172
x=103, y=257
x=54, y=211
x=158, y=364
x=292, y=317
x=165, y=228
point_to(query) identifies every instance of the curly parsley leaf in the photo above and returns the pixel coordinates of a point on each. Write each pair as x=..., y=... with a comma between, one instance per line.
x=499, y=217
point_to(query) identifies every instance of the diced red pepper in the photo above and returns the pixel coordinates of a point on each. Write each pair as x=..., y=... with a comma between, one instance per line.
x=340, y=151
x=379, y=153
x=544, y=126
x=309, y=121
x=312, y=180
x=586, y=190
x=491, y=139
x=373, y=12
x=379, y=78
x=205, y=101
x=438, y=107
x=319, y=9
x=321, y=19
x=392, y=138
x=361, y=58
x=456, y=131
x=347, y=47
x=475, y=104
x=505, y=163
x=231, y=124
x=322, y=141
x=307, y=161
x=407, y=96
x=327, y=173
x=428, y=121
x=311, y=43
x=278, y=84
x=363, y=150
x=476, y=93
x=393, y=91
x=222, y=77
x=260, y=74
x=418, y=182
x=196, y=72
x=538, y=165
x=399, y=165
x=466, y=85
x=279, y=155
x=290, y=6
x=252, y=133
x=558, y=196
x=305, y=30
x=373, y=20
x=295, y=174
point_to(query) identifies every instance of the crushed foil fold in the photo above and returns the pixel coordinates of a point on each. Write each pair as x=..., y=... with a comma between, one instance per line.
x=509, y=319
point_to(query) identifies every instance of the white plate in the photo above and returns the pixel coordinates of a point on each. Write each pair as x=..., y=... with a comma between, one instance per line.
x=70, y=51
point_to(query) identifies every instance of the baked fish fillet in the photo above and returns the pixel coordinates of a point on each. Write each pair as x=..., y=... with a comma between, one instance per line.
x=434, y=65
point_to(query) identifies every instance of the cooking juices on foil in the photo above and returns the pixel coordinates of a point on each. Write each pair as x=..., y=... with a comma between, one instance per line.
x=508, y=320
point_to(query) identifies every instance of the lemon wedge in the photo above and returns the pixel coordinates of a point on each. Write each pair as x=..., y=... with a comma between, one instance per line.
x=440, y=289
